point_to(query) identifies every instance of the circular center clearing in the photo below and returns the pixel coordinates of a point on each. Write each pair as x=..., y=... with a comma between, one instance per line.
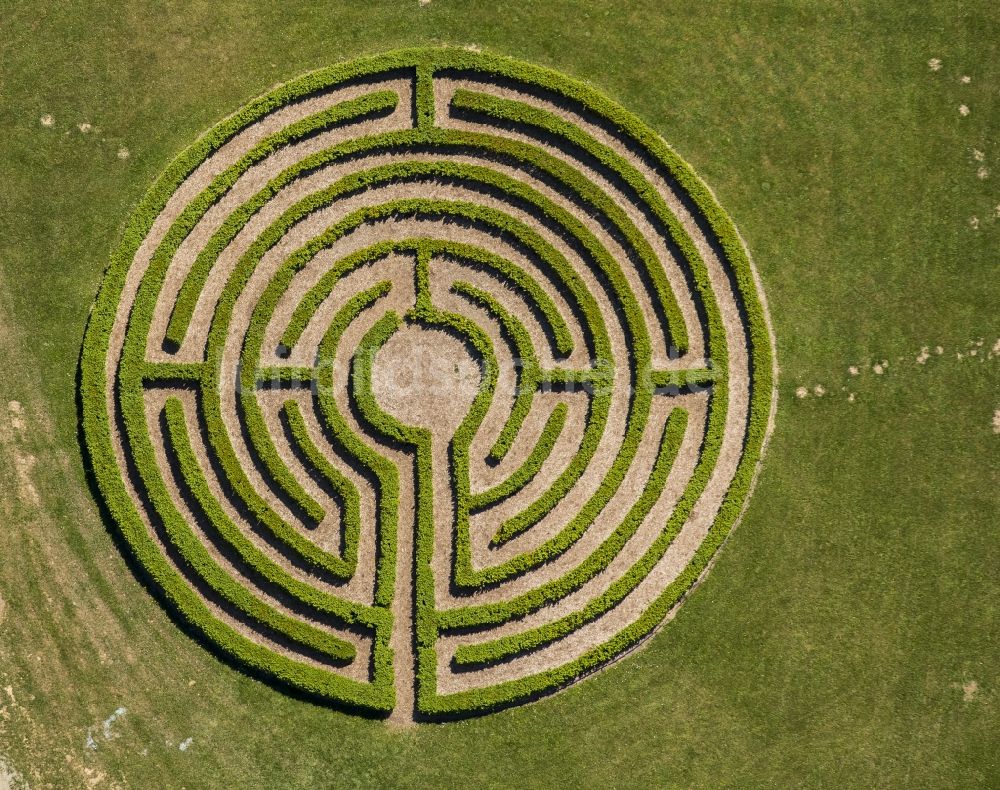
x=426, y=378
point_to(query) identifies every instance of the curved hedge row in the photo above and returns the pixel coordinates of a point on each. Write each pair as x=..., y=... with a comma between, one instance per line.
x=198, y=558
x=344, y=113
x=568, y=204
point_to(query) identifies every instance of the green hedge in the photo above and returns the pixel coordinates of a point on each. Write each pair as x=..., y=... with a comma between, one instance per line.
x=346, y=492
x=639, y=347
x=201, y=562
x=346, y=112
x=135, y=373
x=761, y=367
x=506, y=647
x=352, y=445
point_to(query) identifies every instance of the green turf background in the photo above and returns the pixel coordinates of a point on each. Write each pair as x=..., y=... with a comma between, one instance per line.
x=829, y=645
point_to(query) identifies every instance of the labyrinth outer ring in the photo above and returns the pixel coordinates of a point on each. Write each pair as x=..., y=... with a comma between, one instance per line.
x=106, y=380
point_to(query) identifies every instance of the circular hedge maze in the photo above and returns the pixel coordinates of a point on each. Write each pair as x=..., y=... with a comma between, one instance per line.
x=426, y=384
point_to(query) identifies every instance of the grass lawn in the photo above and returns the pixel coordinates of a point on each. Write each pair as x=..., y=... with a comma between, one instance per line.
x=848, y=634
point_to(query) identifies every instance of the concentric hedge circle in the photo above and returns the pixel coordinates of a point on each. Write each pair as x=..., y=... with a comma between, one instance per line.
x=242, y=370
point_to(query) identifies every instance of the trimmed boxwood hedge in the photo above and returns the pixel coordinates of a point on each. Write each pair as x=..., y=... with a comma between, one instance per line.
x=600, y=380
